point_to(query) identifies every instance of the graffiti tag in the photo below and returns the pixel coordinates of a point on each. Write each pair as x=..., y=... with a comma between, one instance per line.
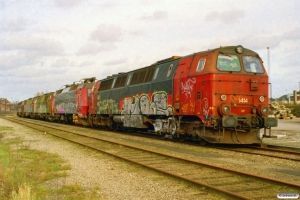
x=205, y=108
x=133, y=108
x=188, y=86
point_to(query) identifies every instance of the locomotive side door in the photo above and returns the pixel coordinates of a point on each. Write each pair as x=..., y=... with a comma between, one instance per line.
x=93, y=98
x=197, y=76
x=180, y=102
x=79, y=101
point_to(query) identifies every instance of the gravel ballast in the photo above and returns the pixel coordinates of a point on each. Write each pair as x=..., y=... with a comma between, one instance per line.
x=116, y=179
x=120, y=180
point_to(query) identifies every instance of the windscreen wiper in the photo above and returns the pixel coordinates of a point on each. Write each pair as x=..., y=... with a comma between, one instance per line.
x=226, y=54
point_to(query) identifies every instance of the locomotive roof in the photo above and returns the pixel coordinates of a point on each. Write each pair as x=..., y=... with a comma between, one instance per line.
x=228, y=49
x=172, y=58
x=222, y=49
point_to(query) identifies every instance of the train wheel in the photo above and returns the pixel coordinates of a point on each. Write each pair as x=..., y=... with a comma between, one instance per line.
x=183, y=138
x=202, y=142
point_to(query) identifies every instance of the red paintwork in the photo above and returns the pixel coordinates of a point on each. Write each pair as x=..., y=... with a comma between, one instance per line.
x=93, y=98
x=33, y=105
x=200, y=80
x=199, y=93
x=81, y=101
x=50, y=104
x=22, y=106
x=187, y=87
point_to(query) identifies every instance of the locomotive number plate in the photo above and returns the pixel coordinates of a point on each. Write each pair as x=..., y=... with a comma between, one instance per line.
x=243, y=100
x=239, y=98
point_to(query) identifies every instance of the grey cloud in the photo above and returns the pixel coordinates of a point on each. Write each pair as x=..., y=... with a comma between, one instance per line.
x=293, y=34
x=106, y=33
x=15, y=25
x=9, y=61
x=259, y=42
x=157, y=15
x=137, y=32
x=115, y=62
x=2, y=5
x=108, y=4
x=229, y=16
x=68, y=3
x=262, y=42
x=34, y=46
x=86, y=63
x=93, y=49
x=61, y=63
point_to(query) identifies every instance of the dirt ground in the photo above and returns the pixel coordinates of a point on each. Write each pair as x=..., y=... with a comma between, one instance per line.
x=287, y=133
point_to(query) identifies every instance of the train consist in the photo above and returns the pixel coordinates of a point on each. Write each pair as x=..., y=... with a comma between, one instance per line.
x=218, y=96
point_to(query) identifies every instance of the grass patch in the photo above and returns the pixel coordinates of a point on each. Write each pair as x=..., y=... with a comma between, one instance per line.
x=27, y=174
x=5, y=128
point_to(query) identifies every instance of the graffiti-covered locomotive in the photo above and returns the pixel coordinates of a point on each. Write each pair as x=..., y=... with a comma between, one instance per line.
x=219, y=96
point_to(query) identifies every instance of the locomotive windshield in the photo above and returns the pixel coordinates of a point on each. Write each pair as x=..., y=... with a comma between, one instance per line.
x=228, y=62
x=252, y=64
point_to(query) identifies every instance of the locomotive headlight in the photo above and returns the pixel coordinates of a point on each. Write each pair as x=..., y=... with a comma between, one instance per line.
x=261, y=98
x=239, y=49
x=223, y=97
x=224, y=109
x=263, y=110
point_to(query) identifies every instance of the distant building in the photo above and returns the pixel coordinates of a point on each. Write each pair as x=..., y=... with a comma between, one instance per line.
x=5, y=105
x=289, y=98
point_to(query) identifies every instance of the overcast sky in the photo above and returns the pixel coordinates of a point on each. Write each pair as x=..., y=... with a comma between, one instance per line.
x=47, y=44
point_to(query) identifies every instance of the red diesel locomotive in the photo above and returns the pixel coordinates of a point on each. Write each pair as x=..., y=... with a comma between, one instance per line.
x=218, y=96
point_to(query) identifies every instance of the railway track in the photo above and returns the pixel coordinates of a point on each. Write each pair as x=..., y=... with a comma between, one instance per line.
x=292, y=154
x=229, y=182
x=273, y=151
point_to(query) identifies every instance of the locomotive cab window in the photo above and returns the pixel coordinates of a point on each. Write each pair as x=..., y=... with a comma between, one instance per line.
x=106, y=84
x=201, y=64
x=252, y=64
x=230, y=63
x=170, y=70
x=113, y=85
x=65, y=90
x=149, y=74
x=156, y=72
x=128, y=80
x=120, y=81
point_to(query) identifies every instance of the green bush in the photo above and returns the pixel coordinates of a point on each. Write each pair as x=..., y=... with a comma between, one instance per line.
x=295, y=109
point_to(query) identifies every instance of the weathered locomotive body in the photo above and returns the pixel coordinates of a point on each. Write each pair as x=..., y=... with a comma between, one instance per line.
x=70, y=103
x=218, y=96
x=138, y=99
x=227, y=90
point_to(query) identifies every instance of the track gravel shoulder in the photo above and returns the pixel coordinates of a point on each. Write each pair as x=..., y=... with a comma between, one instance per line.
x=287, y=133
x=116, y=179
x=120, y=180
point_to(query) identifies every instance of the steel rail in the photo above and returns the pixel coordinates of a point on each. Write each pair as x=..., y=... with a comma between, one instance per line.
x=263, y=154
x=213, y=188
x=186, y=160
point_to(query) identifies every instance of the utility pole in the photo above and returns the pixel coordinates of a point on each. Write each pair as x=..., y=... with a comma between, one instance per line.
x=269, y=72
